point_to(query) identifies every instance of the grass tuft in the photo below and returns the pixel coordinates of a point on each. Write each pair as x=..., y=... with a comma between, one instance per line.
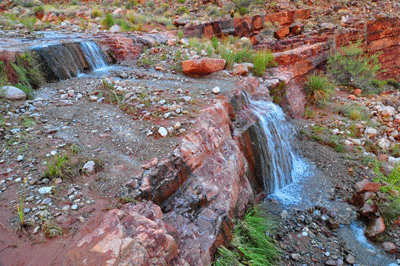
x=251, y=244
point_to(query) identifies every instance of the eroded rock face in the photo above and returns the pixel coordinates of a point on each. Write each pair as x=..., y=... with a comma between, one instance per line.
x=133, y=235
x=202, y=210
x=201, y=67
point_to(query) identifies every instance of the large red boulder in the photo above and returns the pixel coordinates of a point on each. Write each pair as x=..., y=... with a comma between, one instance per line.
x=201, y=67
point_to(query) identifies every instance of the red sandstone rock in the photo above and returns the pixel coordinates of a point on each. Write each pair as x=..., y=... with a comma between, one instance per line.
x=375, y=227
x=257, y=22
x=205, y=66
x=282, y=32
x=369, y=208
x=352, y=97
x=365, y=185
x=134, y=227
x=357, y=92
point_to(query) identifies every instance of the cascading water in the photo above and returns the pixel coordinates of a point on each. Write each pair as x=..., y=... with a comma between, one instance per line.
x=94, y=55
x=280, y=166
x=67, y=60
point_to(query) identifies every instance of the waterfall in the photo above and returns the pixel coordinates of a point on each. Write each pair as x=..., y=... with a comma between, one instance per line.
x=67, y=60
x=274, y=144
x=94, y=55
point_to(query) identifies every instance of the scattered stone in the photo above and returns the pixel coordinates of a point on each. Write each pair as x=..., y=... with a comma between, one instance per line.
x=332, y=224
x=12, y=93
x=331, y=262
x=74, y=207
x=375, y=227
x=296, y=256
x=162, y=131
x=20, y=158
x=88, y=167
x=389, y=247
x=216, y=90
x=367, y=186
x=350, y=259
x=45, y=190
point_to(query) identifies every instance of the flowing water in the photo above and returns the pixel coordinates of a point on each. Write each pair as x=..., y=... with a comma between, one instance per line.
x=67, y=60
x=281, y=167
x=290, y=179
x=94, y=55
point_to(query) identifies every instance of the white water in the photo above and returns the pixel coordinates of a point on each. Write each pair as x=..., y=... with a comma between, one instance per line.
x=286, y=168
x=94, y=55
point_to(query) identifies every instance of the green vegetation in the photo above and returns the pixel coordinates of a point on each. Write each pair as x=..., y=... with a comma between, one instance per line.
x=390, y=207
x=353, y=111
x=20, y=210
x=251, y=244
x=108, y=21
x=318, y=89
x=352, y=67
x=57, y=168
x=262, y=60
x=28, y=71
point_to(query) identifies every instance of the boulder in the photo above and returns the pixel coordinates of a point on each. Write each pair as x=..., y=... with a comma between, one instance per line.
x=375, y=227
x=201, y=67
x=133, y=227
x=365, y=186
x=12, y=93
x=242, y=69
x=389, y=247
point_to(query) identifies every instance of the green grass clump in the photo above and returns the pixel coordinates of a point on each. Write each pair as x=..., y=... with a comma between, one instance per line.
x=262, y=60
x=251, y=244
x=353, y=111
x=125, y=26
x=318, y=89
x=108, y=21
x=353, y=67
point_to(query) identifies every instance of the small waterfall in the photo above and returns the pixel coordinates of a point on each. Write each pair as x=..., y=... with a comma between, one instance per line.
x=94, y=55
x=67, y=60
x=277, y=154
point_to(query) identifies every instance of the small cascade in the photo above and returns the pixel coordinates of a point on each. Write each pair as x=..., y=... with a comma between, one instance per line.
x=274, y=141
x=67, y=60
x=94, y=55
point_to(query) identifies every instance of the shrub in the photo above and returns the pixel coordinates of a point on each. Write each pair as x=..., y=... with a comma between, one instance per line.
x=261, y=61
x=215, y=42
x=318, y=89
x=108, y=21
x=243, y=10
x=125, y=26
x=353, y=67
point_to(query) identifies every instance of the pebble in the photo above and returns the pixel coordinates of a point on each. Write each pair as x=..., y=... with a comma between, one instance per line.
x=74, y=207
x=66, y=208
x=296, y=256
x=46, y=201
x=162, y=131
x=216, y=90
x=20, y=158
x=88, y=167
x=45, y=190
